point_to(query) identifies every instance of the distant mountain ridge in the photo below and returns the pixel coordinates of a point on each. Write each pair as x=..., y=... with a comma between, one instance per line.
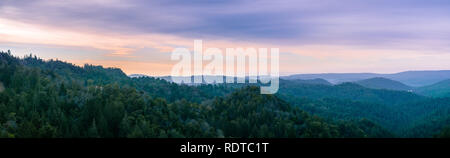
x=410, y=78
x=430, y=85
x=137, y=75
x=345, y=91
x=169, y=78
x=126, y=105
x=384, y=83
x=440, y=89
x=317, y=81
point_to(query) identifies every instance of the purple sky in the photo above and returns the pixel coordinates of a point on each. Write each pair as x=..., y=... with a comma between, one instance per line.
x=313, y=36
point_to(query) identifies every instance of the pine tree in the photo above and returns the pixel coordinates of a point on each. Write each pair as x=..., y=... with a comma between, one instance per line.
x=93, y=132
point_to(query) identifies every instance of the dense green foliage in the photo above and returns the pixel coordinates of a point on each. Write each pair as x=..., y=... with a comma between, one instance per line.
x=346, y=91
x=56, y=99
x=403, y=113
x=172, y=91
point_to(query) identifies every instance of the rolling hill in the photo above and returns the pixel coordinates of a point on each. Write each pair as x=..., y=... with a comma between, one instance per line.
x=317, y=81
x=346, y=91
x=49, y=99
x=440, y=89
x=384, y=83
x=52, y=99
x=334, y=78
x=410, y=78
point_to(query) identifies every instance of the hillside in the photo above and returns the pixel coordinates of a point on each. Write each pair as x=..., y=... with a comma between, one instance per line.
x=250, y=104
x=384, y=83
x=346, y=91
x=53, y=99
x=440, y=89
x=429, y=117
x=398, y=111
x=47, y=99
x=410, y=78
x=420, y=78
x=317, y=81
x=334, y=78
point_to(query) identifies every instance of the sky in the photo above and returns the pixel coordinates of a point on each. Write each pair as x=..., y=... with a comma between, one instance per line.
x=138, y=36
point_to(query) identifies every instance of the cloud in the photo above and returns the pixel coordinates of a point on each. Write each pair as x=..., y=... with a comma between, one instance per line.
x=319, y=30
x=291, y=21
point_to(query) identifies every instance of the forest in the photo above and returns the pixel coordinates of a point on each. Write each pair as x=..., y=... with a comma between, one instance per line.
x=55, y=99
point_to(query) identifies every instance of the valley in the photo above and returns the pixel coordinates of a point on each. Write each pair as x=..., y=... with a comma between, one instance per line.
x=55, y=99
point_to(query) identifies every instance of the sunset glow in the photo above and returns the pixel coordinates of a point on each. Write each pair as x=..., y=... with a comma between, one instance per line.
x=138, y=36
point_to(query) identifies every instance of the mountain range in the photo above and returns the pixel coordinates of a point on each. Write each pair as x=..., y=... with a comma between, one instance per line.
x=433, y=83
x=440, y=89
x=47, y=99
x=410, y=78
x=384, y=83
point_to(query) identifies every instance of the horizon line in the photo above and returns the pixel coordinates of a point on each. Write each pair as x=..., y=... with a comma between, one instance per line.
x=282, y=74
